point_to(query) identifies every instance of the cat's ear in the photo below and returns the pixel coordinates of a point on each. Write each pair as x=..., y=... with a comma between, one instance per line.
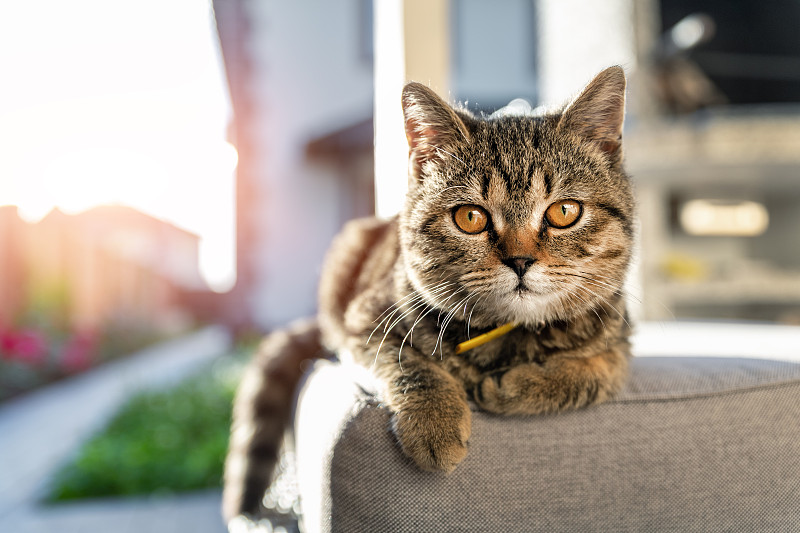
x=598, y=112
x=433, y=128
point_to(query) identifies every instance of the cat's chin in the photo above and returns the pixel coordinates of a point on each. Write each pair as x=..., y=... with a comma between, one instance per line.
x=527, y=307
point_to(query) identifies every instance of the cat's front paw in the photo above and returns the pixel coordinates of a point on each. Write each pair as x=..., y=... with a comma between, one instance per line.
x=435, y=437
x=514, y=391
x=488, y=393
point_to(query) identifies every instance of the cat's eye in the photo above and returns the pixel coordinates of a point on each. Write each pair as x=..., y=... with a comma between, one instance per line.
x=471, y=218
x=563, y=214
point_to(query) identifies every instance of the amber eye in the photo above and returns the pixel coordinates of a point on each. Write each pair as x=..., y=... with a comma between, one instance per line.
x=563, y=214
x=471, y=218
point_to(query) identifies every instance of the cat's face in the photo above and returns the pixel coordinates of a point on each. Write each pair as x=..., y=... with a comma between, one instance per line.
x=518, y=219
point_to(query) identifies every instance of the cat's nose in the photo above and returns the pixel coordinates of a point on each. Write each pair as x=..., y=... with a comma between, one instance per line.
x=520, y=264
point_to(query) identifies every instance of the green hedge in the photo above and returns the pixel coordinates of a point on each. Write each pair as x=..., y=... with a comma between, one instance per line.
x=159, y=442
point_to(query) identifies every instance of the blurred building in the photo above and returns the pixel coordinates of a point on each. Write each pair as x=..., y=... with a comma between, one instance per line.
x=711, y=133
x=299, y=72
x=107, y=265
x=13, y=232
x=714, y=150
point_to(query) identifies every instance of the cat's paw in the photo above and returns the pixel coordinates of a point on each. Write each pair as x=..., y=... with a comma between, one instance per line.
x=434, y=437
x=517, y=390
x=488, y=393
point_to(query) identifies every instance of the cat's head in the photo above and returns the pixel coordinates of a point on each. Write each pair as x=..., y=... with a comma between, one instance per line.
x=518, y=218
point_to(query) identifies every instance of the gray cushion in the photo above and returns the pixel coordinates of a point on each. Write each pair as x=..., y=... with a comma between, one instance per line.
x=691, y=444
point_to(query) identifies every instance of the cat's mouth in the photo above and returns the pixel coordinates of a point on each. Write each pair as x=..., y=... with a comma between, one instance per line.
x=526, y=303
x=533, y=283
x=523, y=289
x=530, y=289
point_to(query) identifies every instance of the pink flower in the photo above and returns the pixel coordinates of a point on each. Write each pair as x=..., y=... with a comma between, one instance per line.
x=27, y=346
x=78, y=352
x=7, y=344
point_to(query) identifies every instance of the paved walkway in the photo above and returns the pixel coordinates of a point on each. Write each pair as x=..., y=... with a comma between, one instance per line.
x=39, y=431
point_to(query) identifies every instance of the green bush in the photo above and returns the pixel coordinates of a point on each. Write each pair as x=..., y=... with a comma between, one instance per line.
x=159, y=442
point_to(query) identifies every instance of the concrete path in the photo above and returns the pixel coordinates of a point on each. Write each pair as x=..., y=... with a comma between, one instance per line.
x=39, y=431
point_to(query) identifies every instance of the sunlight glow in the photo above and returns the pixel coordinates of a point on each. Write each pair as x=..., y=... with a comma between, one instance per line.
x=119, y=103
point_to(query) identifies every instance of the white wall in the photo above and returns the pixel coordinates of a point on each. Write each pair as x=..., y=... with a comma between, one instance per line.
x=578, y=39
x=311, y=79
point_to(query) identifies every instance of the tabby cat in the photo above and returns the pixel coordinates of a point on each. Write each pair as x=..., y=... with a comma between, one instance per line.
x=515, y=226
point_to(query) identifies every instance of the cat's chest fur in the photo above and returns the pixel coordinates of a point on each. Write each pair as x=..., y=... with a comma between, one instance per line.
x=521, y=345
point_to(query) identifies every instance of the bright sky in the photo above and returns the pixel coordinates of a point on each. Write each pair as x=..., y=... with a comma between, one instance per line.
x=119, y=101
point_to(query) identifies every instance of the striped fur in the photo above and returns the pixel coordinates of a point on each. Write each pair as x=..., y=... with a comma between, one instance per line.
x=398, y=296
x=262, y=409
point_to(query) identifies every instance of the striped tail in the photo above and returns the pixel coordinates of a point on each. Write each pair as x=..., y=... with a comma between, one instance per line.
x=262, y=412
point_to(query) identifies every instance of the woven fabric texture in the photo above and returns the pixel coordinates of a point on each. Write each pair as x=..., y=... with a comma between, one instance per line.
x=691, y=444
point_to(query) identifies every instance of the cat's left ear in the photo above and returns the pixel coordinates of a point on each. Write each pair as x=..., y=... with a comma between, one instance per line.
x=598, y=112
x=433, y=128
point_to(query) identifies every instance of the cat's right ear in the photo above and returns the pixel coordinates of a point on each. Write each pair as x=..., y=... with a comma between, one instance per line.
x=433, y=129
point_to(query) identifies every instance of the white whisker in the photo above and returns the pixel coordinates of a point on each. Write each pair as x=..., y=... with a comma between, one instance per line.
x=418, y=303
x=450, y=315
x=588, y=304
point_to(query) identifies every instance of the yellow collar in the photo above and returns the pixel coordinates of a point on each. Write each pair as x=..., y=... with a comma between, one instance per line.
x=486, y=337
